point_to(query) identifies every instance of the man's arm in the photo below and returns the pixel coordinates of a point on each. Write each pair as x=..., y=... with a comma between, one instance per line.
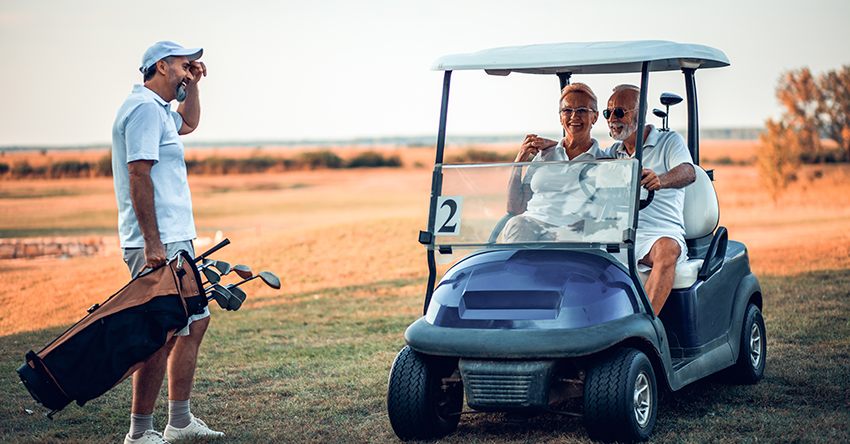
x=679, y=177
x=141, y=194
x=190, y=109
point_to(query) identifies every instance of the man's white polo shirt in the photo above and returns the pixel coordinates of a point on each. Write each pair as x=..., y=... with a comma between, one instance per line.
x=146, y=129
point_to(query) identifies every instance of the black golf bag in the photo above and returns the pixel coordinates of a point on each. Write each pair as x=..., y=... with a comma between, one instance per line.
x=115, y=338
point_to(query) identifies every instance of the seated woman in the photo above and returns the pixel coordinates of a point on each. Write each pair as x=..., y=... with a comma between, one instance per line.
x=541, y=198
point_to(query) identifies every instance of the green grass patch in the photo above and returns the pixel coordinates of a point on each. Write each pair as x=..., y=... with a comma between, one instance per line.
x=313, y=367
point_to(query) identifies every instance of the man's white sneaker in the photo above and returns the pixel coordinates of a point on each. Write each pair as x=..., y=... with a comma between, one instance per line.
x=149, y=437
x=196, y=427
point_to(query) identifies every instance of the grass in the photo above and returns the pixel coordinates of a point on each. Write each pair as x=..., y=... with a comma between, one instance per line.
x=310, y=363
x=312, y=367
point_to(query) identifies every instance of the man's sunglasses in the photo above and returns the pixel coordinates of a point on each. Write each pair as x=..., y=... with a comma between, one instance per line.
x=618, y=112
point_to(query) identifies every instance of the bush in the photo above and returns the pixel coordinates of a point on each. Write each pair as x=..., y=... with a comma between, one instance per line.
x=778, y=158
x=473, y=155
x=373, y=159
x=68, y=168
x=103, y=167
x=4, y=168
x=825, y=155
x=24, y=169
x=317, y=159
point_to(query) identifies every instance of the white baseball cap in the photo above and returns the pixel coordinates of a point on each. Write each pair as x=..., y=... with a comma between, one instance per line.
x=163, y=49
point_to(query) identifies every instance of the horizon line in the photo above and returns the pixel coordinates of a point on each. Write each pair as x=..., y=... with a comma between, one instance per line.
x=743, y=133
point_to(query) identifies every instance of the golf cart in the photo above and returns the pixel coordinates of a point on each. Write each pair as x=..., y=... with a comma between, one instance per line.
x=529, y=327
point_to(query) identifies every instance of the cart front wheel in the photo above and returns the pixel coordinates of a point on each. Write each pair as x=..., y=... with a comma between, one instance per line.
x=421, y=402
x=620, y=397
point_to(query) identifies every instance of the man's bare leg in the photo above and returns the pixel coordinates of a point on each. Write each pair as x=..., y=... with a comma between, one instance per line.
x=662, y=258
x=147, y=380
x=184, y=359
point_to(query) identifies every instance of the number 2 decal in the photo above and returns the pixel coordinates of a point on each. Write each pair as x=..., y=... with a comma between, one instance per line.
x=448, y=215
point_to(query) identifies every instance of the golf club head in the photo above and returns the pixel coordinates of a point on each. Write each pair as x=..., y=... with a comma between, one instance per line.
x=659, y=113
x=238, y=298
x=211, y=276
x=270, y=279
x=668, y=99
x=243, y=271
x=222, y=267
x=222, y=295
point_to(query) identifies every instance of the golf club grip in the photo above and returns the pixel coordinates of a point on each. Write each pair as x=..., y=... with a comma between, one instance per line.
x=213, y=249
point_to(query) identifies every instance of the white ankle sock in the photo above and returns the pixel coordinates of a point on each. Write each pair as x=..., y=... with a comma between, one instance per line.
x=178, y=414
x=139, y=424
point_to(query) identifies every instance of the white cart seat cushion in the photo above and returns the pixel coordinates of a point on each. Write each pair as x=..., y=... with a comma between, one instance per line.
x=686, y=274
x=701, y=210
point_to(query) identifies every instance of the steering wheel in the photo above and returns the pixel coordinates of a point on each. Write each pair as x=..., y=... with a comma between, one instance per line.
x=588, y=186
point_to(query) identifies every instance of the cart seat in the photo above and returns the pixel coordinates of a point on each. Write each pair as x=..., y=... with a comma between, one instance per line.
x=702, y=212
x=702, y=215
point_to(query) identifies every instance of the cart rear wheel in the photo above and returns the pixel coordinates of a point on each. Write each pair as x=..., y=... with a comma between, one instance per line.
x=749, y=368
x=620, y=397
x=420, y=405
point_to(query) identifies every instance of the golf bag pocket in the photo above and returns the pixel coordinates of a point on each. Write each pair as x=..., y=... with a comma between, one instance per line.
x=109, y=344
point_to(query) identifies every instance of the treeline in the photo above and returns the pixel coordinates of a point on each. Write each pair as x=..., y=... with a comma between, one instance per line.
x=308, y=160
x=473, y=155
x=57, y=170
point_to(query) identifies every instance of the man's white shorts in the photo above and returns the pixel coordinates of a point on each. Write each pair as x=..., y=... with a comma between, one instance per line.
x=644, y=243
x=135, y=260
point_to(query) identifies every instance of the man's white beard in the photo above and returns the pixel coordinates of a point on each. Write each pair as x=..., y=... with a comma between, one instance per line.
x=625, y=133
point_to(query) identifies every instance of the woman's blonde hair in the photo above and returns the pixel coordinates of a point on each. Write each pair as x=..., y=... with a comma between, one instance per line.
x=579, y=88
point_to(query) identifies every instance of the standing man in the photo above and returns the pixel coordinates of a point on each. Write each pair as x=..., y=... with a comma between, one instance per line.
x=155, y=222
x=667, y=169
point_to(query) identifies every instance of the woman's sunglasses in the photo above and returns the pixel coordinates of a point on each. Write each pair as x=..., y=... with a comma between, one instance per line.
x=618, y=112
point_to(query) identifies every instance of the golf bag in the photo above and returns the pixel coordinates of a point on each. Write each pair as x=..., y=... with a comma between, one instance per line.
x=114, y=339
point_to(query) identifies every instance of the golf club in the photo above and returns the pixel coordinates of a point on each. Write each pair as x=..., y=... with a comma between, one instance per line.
x=243, y=271
x=212, y=250
x=668, y=99
x=221, y=295
x=211, y=275
x=238, y=298
x=267, y=276
x=663, y=116
x=222, y=267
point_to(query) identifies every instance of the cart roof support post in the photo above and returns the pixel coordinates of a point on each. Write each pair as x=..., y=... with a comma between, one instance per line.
x=693, y=117
x=436, y=189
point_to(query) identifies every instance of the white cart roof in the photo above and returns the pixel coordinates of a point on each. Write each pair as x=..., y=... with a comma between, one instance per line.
x=586, y=58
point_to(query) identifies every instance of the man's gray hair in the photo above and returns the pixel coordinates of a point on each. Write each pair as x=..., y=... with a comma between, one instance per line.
x=633, y=88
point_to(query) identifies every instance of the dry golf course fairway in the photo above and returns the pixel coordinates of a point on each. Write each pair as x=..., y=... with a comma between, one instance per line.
x=344, y=245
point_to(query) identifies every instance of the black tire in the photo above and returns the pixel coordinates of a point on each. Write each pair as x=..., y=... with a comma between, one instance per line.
x=621, y=397
x=418, y=404
x=749, y=368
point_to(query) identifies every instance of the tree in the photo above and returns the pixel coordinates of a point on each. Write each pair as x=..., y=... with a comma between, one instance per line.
x=834, y=107
x=815, y=107
x=799, y=93
x=778, y=158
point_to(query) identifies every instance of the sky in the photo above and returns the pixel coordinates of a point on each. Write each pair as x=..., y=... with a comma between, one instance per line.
x=340, y=69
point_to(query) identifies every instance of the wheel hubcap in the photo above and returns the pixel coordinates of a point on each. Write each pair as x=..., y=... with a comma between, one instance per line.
x=755, y=346
x=642, y=399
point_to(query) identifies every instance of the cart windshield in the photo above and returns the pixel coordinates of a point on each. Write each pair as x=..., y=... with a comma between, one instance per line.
x=581, y=204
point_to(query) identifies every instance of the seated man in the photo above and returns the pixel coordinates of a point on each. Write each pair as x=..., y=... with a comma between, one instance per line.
x=667, y=169
x=542, y=195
